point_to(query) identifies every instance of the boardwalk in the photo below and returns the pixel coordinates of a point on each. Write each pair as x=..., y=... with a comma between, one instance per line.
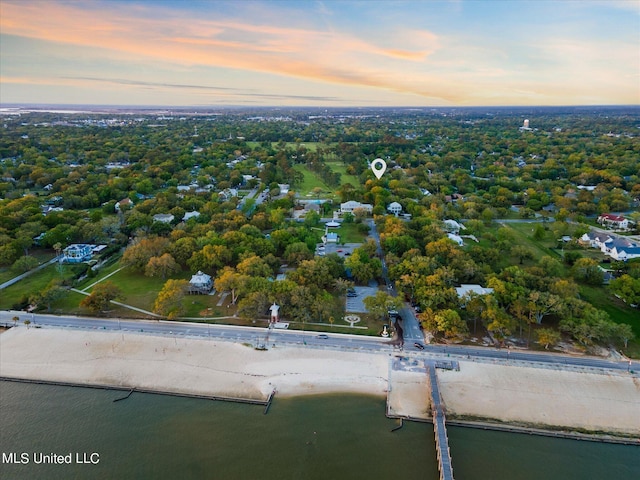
x=439, y=428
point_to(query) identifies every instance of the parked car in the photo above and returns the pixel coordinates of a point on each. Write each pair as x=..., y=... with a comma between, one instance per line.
x=419, y=346
x=352, y=294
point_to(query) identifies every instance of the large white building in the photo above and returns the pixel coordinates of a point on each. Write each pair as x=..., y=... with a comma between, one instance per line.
x=351, y=205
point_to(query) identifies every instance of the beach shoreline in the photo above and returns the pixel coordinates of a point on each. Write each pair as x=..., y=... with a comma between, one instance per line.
x=501, y=396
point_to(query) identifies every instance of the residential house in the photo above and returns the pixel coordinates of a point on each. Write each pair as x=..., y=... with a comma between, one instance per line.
x=77, y=253
x=394, y=208
x=613, y=221
x=452, y=226
x=200, y=283
x=189, y=215
x=351, y=205
x=456, y=239
x=125, y=203
x=466, y=289
x=163, y=218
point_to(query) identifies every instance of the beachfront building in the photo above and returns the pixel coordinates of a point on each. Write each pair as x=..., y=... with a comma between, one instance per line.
x=77, y=253
x=200, y=283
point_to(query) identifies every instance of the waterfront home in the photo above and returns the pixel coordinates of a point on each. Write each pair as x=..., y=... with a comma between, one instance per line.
x=200, y=283
x=77, y=253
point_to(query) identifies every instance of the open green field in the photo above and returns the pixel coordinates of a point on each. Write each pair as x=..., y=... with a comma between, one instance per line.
x=311, y=181
x=43, y=256
x=349, y=233
x=340, y=168
x=32, y=284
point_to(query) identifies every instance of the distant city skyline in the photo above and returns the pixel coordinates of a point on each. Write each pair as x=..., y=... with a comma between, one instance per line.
x=320, y=53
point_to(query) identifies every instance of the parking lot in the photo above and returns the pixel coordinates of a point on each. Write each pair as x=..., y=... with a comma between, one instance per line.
x=355, y=304
x=342, y=250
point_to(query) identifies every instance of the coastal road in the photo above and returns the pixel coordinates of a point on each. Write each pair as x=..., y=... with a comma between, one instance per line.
x=269, y=337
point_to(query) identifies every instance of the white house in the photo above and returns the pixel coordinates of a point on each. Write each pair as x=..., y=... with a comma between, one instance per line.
x=200, y=283
x=189, y=215
x=394, y=208
x=456, y=239
x=453, y=226
x=77, y=253
x=351, y=205
x=466, y=289
x=163, y=218
x=613, y=221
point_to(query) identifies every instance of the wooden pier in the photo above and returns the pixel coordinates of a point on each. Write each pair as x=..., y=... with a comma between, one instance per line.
x=439, y=427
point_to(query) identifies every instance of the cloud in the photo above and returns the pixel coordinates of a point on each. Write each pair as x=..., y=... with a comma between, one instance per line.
x=286, y=53
x=290, y=51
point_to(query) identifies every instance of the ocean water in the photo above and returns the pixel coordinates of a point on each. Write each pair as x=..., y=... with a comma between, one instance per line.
x=320, y=437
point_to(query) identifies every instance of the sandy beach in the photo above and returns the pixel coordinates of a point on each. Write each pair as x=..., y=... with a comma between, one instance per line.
x=525, y=395
x=186, y=365
x=540, y=396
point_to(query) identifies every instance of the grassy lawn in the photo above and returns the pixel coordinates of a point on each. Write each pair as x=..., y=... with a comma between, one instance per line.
x=340, y=168
x=32, y=284
x=311, y=181
x=349, y=233
x=138, y=290
x=43, y=256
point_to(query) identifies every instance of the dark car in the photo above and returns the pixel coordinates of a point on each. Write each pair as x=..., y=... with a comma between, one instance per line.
x=352, y=294
x=323, y=336
x=419, y=346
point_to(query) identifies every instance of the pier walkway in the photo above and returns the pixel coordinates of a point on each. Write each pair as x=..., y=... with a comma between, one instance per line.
x=439, y=427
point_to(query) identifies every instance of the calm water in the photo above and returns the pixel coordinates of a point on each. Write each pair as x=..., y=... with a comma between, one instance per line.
x=337, y=437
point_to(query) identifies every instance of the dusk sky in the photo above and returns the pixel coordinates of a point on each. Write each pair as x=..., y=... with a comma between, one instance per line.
x=328, y=53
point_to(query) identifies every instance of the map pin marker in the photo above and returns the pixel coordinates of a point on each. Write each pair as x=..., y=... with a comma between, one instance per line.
x=378, y=166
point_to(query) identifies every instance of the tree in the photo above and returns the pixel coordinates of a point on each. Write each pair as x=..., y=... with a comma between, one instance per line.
x=586, y=270
x=25, y=263
x=169, y=300
x=624, y=333
x=52, y=293
x=296, y=253
x=161, y=266
x=254, y=266
x=547, y=336
x=627, y=288
x=541, y=304
x=211, y=257
x=140, y=252
x=231, y=281
x=379, y=304
x=446, y=322
x=101, y=296
x=522, y=253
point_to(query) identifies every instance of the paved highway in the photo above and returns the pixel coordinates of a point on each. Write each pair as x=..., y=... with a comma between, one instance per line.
x=260, y=335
